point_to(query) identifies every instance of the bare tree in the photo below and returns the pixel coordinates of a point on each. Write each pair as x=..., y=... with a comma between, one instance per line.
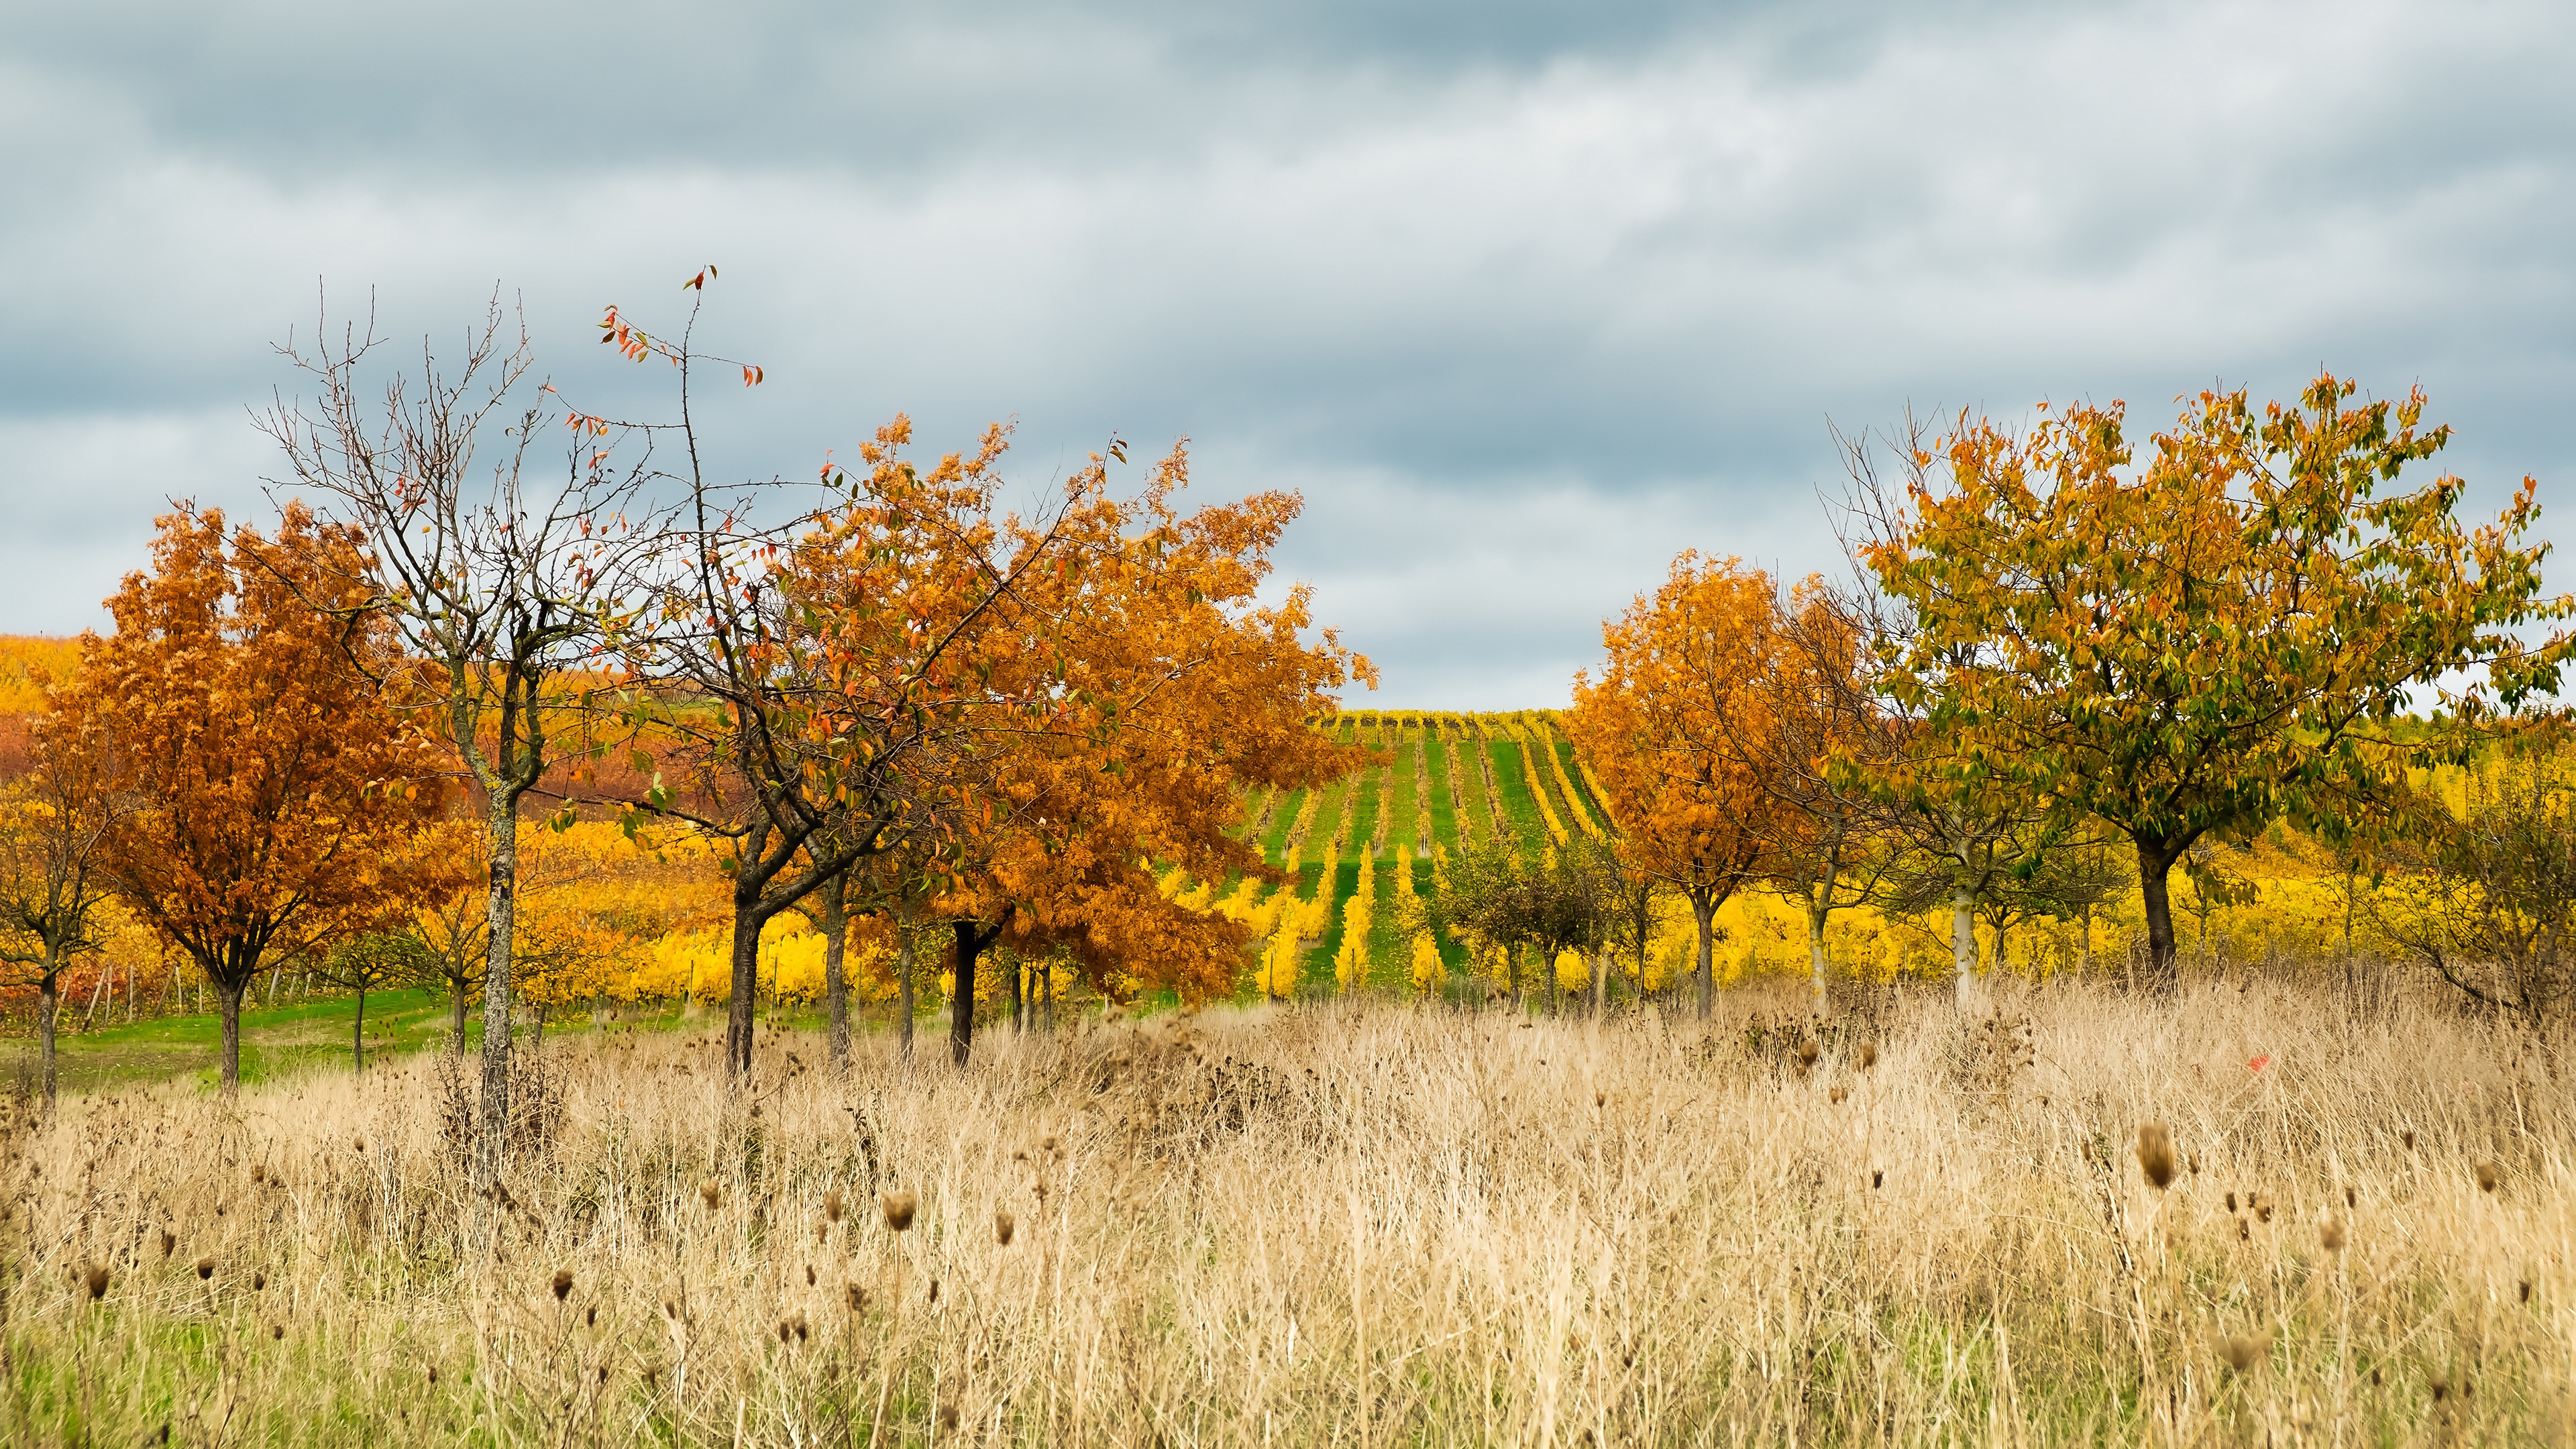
x=502, y=584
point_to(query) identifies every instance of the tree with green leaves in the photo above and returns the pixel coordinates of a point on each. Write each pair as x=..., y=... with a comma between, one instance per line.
x=2226, y=632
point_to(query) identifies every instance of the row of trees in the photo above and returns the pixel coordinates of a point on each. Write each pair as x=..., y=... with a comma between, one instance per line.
x=2054, y=643
x=881, y=692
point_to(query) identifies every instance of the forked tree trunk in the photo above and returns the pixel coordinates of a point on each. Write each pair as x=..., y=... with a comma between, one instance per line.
x=972, y=939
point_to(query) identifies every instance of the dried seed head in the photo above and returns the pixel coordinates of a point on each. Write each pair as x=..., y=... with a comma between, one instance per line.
x=1877, y=1178
x=2192, y=1163
x=857, y=1297
x=206, y=1267
x=2156, y=1155
x=1836, y=1096
x=1806, y=1053
x=590, y=1318
x=2231, y=1201
x=934, y=1291
x=433, y=1376
x=711, y=1192
x=96, y=1277
x=1003, y=1226
x=832, y=1206
x=947, y=1418
x=2351, y=1199
x=277, y=1330
x=796, y=1321
x=900, y=1205
x=2526, y=1290
x=2330, y=1235
x=2410, y=1139
x=1868, y=1055
x=2242, y=1354
x=563, y=1284
x=169, y=1242
x=258, y=1282
x=2487, y=1177
x=2441, y=1389
x=258, y=1172
x=2263, y=1207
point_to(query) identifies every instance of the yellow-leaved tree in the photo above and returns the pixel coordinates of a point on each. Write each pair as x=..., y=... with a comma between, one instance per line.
x=2226, y=632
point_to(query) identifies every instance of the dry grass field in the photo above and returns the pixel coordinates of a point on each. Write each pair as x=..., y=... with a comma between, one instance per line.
x=1348, y=1225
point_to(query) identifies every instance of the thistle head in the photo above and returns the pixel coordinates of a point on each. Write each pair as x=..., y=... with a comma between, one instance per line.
x=2156, y=1155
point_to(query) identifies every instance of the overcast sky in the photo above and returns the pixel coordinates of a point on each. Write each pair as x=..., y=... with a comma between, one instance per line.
x=1523, y=298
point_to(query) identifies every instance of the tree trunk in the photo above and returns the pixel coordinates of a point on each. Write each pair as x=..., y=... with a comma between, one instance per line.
x=836, y=987
x=358, y=1035
x=1963, y=949
x=1704, y=915
x=961, y=1001
x=49, y=1001
x=744, y=1001
x=456, y=1009
x=492, y=1127
x=1019, y=995
x=229, y=1000
x=907, y=1003
x=1816, y=945
x=2154, y=866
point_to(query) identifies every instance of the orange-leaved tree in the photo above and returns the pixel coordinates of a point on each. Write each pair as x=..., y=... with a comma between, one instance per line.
x=271, y=798
x=1672, y=730
x=1170, y=691
x=2223, y=634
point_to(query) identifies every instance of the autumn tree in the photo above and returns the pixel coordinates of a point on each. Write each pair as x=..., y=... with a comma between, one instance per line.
x=273, y=798
x=1170, y=691
x=454, y=932
x=2222, y=635
x=368, y=962
x=497, y=582
x=2483, y=892
x=56, y=821
x=1672, y=730
x=851, y=659
x=1489, y=899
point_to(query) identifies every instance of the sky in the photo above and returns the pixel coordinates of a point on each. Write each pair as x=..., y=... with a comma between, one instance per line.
x=1523, y=299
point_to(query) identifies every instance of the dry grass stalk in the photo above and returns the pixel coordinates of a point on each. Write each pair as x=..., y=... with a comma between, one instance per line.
x=1366, y=1187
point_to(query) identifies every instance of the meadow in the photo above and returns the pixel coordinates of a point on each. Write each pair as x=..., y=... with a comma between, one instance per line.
x=1347, y=1221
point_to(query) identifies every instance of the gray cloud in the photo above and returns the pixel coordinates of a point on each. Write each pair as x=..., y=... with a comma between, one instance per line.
x=1524, y=299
